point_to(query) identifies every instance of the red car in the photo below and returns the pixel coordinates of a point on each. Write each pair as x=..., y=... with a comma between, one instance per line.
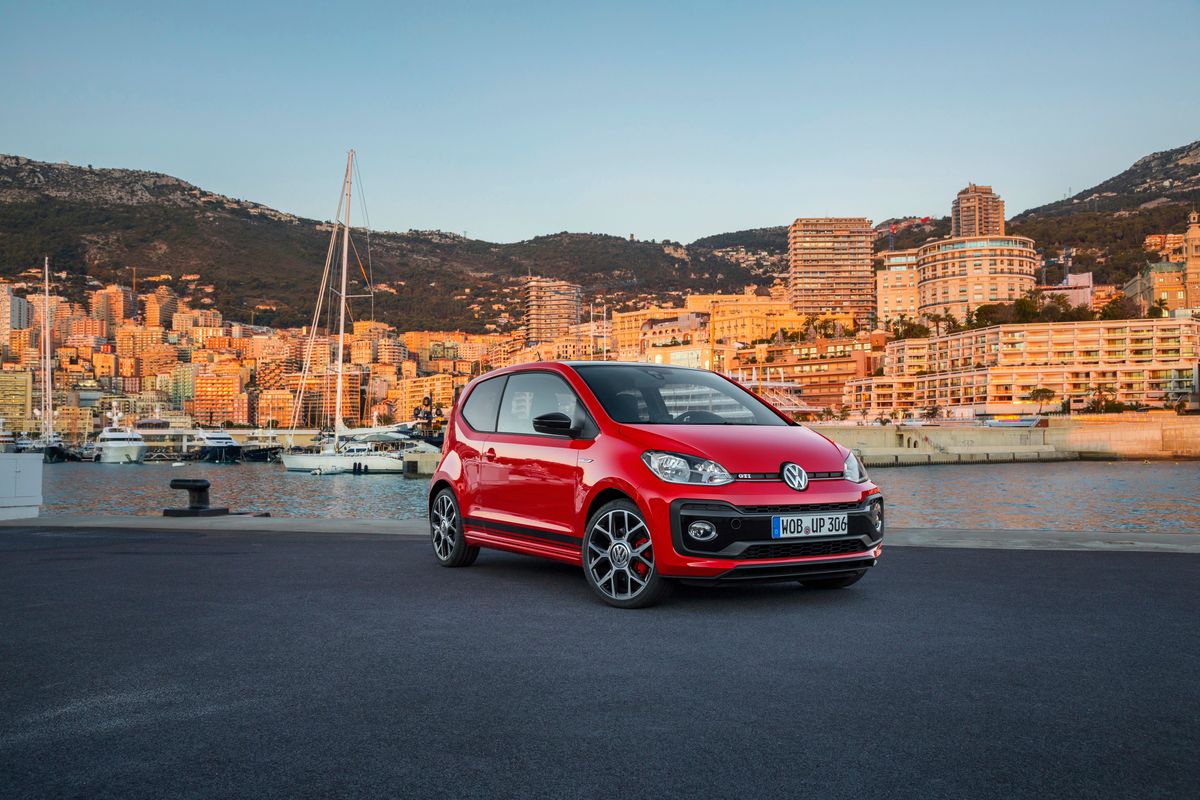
x=646, y=474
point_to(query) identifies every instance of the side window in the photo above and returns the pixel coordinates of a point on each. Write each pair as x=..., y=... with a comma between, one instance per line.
x=532, y=394
x=482, y=405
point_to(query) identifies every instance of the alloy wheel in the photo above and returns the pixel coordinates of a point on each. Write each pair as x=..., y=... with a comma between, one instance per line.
x=443, y=520
x=620, y=558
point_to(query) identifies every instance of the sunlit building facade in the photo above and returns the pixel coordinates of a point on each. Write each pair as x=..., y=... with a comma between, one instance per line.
x=1150, y=362
x=896, y=287
x=829, y=267
x=958, y=274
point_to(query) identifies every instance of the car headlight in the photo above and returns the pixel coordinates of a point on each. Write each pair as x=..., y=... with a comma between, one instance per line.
x=853, y=469
x=678, y=468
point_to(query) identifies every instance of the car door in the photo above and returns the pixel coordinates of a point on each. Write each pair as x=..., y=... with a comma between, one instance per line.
x=529, y=480
x=476, y=423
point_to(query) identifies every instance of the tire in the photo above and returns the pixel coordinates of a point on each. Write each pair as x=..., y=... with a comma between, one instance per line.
x=446, y=532
x=833, y=583
x=618, y=530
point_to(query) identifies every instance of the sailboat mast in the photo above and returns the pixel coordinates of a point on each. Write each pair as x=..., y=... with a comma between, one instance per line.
x=47, y=381
x=341, y=348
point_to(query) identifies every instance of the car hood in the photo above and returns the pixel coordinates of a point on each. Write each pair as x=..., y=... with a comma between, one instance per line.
x=743, y=448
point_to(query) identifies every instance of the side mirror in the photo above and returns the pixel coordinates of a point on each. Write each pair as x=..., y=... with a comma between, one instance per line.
x=555, y=423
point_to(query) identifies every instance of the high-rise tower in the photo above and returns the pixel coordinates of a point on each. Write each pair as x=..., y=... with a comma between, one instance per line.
x=829, y=267
x=977, y=211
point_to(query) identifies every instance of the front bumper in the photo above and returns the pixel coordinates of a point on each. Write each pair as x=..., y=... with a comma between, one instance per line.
x=744, y=550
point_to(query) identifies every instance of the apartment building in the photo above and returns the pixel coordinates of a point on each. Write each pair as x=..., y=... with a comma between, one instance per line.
x=829, y=267
x=160, y=307
x=132, y=340
x=820, y=367
x=15, y=313
x=977, y=211
x=16, y=400
x=219, y=399
x=551, y=308
x=896, y=287
x=274, y=408
x=957, y=274
x=1080, y=289
x=410, y=393
x=1167, y=246
x=992, y=370
x=114, y=304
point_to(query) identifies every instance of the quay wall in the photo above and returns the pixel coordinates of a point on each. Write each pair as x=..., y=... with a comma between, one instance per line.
x=1127, y=435
x=1115, y=436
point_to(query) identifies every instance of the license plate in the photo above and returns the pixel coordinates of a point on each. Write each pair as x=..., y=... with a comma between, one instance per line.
x=809, y=525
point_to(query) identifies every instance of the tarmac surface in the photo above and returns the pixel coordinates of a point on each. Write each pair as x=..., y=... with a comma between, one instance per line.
x=155, y=663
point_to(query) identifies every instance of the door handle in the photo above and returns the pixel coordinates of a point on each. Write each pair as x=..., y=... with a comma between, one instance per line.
x=489, y=455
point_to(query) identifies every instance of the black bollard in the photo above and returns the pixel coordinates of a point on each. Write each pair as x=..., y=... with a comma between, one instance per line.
x=197, y=489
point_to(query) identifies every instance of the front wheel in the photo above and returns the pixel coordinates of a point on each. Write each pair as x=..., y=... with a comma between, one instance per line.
x=446, y=531
x=618, y=558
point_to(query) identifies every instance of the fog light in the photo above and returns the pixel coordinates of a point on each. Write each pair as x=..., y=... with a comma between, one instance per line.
x=876, y=516
x=702, y=531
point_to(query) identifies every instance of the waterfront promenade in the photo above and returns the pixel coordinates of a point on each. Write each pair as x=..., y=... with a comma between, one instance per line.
x=143, y=662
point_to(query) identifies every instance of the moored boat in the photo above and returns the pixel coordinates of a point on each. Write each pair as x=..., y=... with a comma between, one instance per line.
x=217, y=447
x=119, y=444
x=261, y=446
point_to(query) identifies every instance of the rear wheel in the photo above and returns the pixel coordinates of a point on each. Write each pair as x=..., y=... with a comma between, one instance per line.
x=833, y=583
x=618, y=557
x=446, y=532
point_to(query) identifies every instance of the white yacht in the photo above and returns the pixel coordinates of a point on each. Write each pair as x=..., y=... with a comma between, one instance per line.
x=118, y=444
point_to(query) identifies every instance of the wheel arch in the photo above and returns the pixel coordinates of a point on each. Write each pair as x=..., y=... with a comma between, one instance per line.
x=606, y=493
x=435, y=488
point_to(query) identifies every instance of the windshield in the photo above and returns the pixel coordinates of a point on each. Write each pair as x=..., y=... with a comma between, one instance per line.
x=652, y=395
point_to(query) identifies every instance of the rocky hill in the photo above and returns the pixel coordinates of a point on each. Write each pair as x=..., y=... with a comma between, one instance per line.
x=1105, y=226
x=256, y=261
x=96, y=224
x=1166, y=178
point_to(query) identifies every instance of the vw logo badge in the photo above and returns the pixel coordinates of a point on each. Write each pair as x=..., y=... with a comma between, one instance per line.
x=795, y=476
x=619, y=554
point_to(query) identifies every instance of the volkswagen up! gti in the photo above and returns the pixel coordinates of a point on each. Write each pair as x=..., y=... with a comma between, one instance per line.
x=644, y=475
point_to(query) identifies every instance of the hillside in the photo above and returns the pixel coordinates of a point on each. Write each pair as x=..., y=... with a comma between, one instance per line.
x=256, y=261
x=1107, y=224
x=97, y=223
x=1169, y=177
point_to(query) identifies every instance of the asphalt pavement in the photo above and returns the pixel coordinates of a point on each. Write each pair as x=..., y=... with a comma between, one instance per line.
x=157, y=664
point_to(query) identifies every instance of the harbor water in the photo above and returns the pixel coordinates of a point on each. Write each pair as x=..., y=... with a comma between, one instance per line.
x=1159, y=496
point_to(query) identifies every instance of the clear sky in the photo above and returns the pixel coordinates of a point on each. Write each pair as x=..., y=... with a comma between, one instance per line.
x=665, y=120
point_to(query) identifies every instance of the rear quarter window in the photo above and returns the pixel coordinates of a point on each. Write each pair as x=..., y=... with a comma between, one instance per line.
x=483, y=404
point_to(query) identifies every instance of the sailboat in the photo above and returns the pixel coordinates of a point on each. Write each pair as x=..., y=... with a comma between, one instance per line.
x=50, y=444
x=357, y=451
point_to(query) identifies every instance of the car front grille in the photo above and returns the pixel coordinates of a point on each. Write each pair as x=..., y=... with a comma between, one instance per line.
x=775, y=476
x=798, y=509
x=836, y=547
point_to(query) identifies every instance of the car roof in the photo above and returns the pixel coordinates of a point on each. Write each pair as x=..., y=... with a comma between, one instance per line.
x=574, y=364
x=563, y=366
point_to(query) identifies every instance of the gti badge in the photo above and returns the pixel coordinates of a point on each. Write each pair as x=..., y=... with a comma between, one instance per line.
x=795, y=476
